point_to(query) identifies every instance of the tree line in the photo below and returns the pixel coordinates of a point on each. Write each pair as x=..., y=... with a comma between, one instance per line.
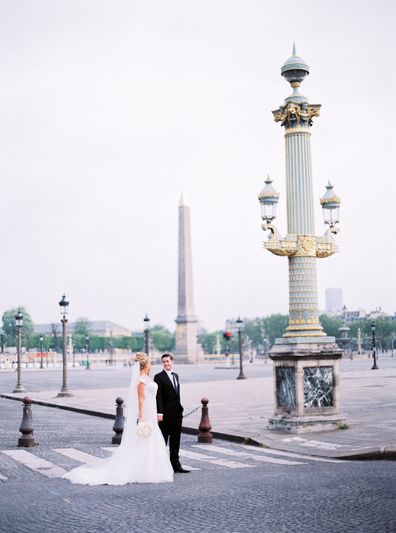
x=260, y=331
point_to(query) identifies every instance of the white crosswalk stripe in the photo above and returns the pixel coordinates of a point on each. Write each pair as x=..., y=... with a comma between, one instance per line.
x=80, y=456
x=259, y=458
x=213, y=460
x=207, y=454
x=34, y=462
x=291, y=454
x=187, y=467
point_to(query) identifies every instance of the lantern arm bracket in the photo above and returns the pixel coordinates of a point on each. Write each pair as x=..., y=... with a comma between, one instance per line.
x=300, y=245
x=274, y=235
x=279, y=245
x=325, y=245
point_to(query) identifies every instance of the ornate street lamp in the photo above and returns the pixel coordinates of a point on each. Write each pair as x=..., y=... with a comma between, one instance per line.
x=64, y=309
x=374, y=346
x=239, y=330
x=331, y=208
x=268, y=199
x=87, y=350
x=111, y=349
x=41, y=352
x=19, y=325
x=306, y=360
x=146, y=321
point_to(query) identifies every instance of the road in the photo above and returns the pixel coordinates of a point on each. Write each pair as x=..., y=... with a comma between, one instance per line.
x=36, y=380
x=232, y=489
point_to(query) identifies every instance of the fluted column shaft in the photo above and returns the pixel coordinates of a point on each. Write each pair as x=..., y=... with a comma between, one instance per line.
x=303, y=293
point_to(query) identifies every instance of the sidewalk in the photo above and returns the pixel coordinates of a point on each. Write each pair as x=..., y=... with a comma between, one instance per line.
x=239, y=410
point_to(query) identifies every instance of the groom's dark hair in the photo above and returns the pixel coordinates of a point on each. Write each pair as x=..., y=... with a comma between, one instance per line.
x=167, y=355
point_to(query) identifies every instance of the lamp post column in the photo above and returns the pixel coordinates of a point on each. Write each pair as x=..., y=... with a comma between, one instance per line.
x=374, y=346
x=64, y=392
x=87, y=350
x=306, y=360
x=19, y=324
x=239, y=329
x=146, y=321
x=41, y=353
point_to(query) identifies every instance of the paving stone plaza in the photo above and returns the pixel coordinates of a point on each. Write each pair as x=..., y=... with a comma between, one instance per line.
x=315, y=482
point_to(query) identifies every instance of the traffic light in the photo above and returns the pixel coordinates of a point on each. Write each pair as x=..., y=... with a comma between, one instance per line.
x=227, y=335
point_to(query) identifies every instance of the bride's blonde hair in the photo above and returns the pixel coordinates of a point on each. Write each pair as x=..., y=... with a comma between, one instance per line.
x=142, y=358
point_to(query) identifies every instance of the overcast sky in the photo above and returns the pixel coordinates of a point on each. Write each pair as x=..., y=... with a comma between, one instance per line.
x=109, y=109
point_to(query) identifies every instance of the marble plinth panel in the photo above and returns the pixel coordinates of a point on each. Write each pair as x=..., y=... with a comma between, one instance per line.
x=318, y=387
x=286, y=387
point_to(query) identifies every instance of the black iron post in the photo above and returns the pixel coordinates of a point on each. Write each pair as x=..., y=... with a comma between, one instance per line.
x=64, y=304
x=146, y=321
x=19, y=325
x=111, y=351
x=373, y=346
x=2, y=340
x=41, y=353
x=239, y=329
x=87, y=350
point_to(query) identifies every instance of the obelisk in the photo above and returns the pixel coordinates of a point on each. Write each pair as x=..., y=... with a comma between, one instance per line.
x=187, y=349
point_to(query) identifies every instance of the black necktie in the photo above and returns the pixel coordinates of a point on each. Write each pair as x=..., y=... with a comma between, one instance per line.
x=174, y=380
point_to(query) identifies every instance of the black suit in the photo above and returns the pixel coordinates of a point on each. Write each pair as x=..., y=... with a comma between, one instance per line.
x=168, y=404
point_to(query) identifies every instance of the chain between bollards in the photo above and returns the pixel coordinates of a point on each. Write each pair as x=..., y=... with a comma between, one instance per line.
x=26, y=428
x=118, y=427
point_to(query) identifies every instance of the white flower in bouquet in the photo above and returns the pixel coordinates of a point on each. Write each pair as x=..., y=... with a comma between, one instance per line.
x=144, y=429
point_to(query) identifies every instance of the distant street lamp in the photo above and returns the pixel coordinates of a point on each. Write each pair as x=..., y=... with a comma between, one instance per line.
x=87, y=350
x=239, y=330
x=19, y=325
x=64, y=306
x=373, y=346
x=111, y=349
x=146, y=321
x=41, y=353
x=2, y=340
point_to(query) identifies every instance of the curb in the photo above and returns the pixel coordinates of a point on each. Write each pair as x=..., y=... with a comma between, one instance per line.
x=383, y=453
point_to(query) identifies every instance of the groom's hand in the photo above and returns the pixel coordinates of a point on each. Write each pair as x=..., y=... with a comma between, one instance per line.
x=160, y=418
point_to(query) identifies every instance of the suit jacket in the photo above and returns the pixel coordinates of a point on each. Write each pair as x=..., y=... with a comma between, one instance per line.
x=168, y=398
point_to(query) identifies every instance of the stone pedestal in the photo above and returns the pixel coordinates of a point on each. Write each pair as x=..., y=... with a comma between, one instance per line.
x=306, y=384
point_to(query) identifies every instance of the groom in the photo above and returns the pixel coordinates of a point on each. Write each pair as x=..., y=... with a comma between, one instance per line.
x=170, y=410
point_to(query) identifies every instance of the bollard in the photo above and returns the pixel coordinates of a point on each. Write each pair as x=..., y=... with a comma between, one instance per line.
x=27, y=440
x=204, y=434
x=118, y=427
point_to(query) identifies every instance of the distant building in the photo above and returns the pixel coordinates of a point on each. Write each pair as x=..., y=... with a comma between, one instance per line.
x=334, y=302
x=101, y=328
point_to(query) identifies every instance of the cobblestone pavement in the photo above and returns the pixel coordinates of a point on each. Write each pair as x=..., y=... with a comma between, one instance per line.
x=233, y=488
x=241, y=408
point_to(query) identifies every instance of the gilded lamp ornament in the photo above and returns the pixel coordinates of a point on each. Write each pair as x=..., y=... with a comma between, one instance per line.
x=300, y=245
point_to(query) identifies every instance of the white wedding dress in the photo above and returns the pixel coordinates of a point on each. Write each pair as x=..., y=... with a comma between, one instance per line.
x=138, y=459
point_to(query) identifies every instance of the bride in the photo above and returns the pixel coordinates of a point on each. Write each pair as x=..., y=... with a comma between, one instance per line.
x=142, y=456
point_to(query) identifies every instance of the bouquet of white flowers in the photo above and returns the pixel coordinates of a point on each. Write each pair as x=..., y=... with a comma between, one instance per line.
x=144, y=429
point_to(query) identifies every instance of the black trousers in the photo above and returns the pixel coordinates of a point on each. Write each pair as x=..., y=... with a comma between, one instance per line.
x=171, y=430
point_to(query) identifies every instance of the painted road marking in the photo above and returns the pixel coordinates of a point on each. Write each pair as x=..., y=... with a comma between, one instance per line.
x=80, y=456
x=35, y=463
x=213, y=460
x=292, y=454
x=259, y=458
x=315, y=443
x=187, y=467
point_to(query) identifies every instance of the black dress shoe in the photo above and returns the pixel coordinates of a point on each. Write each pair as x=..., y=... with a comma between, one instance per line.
x=181, y=470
